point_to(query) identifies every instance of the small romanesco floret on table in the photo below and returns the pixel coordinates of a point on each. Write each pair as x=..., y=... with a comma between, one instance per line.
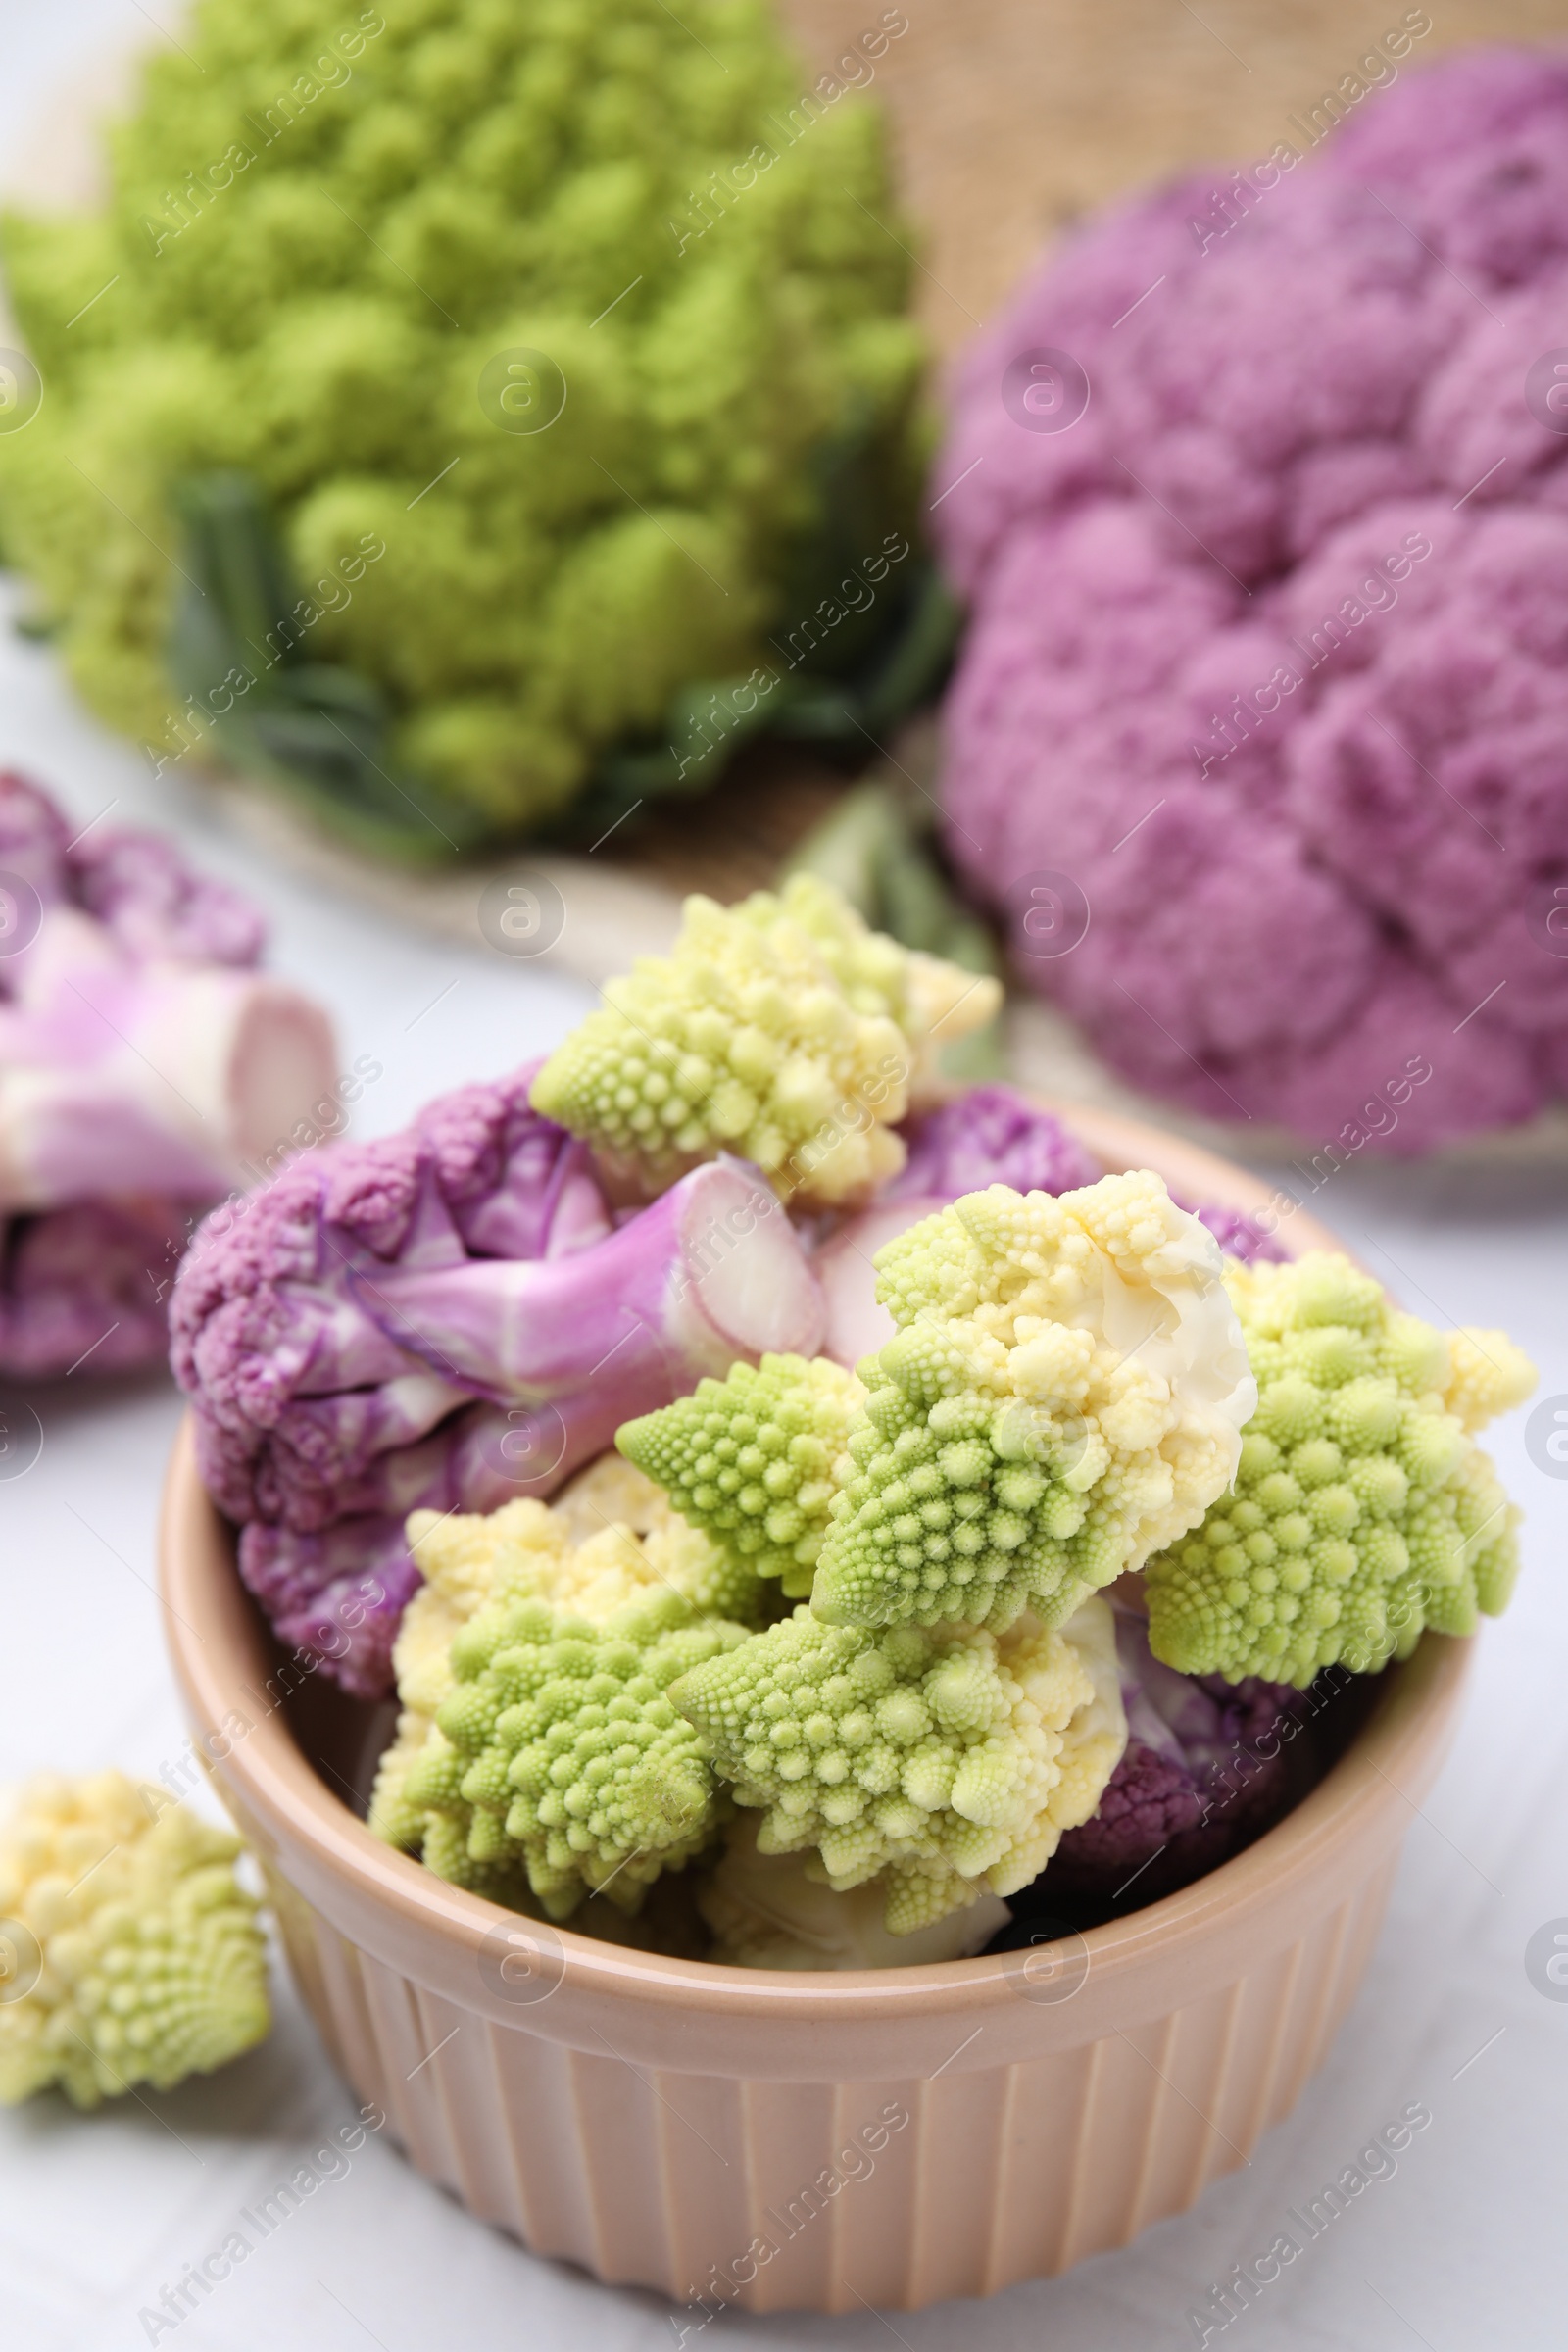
x=560, y=1754
x=1361, y=1510
x=756, y=1459
x=782, y=1030
x=947, y=1763
x=1066, y=1393
x=133, y=1954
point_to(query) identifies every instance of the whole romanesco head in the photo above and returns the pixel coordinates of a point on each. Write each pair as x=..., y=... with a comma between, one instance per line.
x=781, y=1029
x=555, y=306
x=1066, y=1394
x=1361, y=1510
x=610, y=1539
x=561, y=1759
x=756, y=1459
x=944, y=1764
x=132, y=1955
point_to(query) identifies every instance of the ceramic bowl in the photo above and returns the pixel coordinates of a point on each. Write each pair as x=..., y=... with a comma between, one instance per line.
x=738, y=2137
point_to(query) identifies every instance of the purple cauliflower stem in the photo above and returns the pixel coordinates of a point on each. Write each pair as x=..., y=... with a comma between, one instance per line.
x=1269, y=644
x=1205, y=1771
x=445, y=1320
x=143, y=1062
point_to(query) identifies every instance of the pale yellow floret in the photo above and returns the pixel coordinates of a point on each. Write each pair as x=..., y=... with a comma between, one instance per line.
x=1488, y=1375
x=782, y=1029
x=131, y=1953
x=611, y=1537
x=945, y=1764
x=1065, y=1395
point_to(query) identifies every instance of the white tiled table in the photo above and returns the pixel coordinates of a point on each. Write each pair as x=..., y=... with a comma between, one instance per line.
x=97, y=2214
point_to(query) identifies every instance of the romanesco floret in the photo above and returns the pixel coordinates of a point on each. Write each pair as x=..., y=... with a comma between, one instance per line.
x=782, y=1030
x=947, y=1762
x=1066, y=1394
x=932, y=1002
x=329, y=230
x=1361, y=1510
x=756, y=1459
x=131, y=1953
x=560, y=1754
x=609, y=1537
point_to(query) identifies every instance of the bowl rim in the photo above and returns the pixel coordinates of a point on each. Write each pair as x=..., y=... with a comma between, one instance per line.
x=220, y=1649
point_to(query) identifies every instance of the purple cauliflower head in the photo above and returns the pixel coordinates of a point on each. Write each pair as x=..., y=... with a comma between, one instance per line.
x=142, y=1060
x=445, y=1320
x=1260, y=734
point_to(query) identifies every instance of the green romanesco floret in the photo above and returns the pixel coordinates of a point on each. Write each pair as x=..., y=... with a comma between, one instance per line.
x=538, y=412
x=131, y=1953
x=609, y=1537
x=756, y=1459
x=946, y=1763
x=1066, y=1394
x=560, y=1754
x=781, y=1029
x=1361, y=1510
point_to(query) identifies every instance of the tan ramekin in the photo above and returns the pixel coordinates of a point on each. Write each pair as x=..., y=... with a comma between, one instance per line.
x=739, y=2137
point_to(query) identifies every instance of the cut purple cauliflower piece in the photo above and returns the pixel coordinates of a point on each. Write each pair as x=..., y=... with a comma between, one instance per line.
x=87, y=1285
x=299, y=1391
x=139, y=1052
x=138, y=885
x=143, y=1064
x=448, y=1320
x=1207, y=1766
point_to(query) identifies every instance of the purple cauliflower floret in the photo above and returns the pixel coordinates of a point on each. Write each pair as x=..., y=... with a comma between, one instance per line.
x=1205, y=1771
x=142, y=1064
x=1238, y=1234
x=445, y=1320
x=137, y=883
x=992, y=1135
x=1269, y=647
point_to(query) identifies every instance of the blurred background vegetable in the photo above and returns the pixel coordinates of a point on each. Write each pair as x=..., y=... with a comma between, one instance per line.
x=450, y=398
x=1267, y=675
x=145, y=1068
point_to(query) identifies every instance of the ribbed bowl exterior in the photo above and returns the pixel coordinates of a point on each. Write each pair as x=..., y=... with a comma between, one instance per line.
x=766, y=2194
x=747, y=2138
